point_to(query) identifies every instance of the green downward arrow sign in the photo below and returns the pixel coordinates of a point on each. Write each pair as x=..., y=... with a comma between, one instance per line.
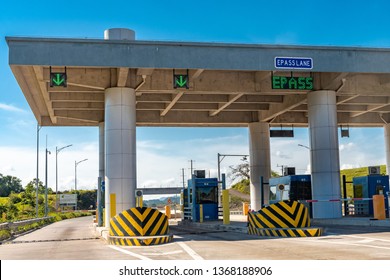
x=58, y=80
x=181, y=80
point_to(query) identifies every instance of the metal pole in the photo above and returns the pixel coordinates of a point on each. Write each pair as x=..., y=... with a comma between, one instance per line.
x=57, y=151
x=219, y=168
x=345, y=195
x=37, y=178
x=56, y=179
x=223, y=181
x=75, y=175
x=192, y=169
x=244, y=157
x=46, y=208
x=100, y=202
x=182, y=171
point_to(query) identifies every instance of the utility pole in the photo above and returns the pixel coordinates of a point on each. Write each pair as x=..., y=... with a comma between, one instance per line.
x=192, y=167
x=182, y=175
x=282, y=166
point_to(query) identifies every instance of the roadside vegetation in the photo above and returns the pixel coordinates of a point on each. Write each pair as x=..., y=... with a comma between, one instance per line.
x=19, y=203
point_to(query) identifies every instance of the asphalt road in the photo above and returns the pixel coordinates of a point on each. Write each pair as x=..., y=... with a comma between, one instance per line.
x=76, y=240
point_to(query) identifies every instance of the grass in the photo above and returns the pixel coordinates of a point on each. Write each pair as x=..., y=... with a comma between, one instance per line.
x=355, y=172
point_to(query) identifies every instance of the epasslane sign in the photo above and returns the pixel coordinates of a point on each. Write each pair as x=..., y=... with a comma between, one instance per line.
x=305, y=63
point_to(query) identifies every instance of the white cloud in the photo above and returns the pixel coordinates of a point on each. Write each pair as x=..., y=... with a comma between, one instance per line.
x=163, y=166
x=11, y=108
x=349, y=146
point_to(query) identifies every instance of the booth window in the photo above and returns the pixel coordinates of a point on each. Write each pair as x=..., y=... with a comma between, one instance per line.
x=206, y=195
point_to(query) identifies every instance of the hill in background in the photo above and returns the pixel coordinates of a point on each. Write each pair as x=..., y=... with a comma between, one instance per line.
x=356, y=172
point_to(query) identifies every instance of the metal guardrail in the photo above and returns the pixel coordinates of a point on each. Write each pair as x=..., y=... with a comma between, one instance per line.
x=14, y=225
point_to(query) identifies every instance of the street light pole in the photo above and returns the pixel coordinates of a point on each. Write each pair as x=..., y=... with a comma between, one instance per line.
x=57, y=151
x=47, y=152
x=304, y=146
x=37, y=178
x=75, y=176
x=75, y=172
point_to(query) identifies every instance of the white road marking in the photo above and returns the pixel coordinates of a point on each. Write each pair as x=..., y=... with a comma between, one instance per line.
x=365, y=241
x=190, y=252
x=162, y=254
x=355, y=236
x=344, y=243
x=129, y=253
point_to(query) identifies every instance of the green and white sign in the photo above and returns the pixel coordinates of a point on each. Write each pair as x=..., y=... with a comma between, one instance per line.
x=292, y=83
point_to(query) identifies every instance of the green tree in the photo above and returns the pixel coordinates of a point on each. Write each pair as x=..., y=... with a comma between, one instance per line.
x=86, y=198
x=9, y=184
x=31, y=187
x=242, y=171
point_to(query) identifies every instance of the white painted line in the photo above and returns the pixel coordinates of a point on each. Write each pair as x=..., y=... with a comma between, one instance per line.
x=162, y=254
x=129, y=253
x=190, y=252
x=344, y=243
x=365, y=241
x=355, y=236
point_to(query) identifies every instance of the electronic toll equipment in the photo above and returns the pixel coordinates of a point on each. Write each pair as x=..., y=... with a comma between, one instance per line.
x=291, y=187
x=365, y=187
x=205, y=199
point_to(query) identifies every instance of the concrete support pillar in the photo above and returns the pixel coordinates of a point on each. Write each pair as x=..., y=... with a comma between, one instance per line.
x=386, y=129
x=324, y=153
x=259, y=162
x=120, y=150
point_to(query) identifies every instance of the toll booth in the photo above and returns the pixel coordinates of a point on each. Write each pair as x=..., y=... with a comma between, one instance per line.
x=365, y=187
x=206, y=197
x=291, y=187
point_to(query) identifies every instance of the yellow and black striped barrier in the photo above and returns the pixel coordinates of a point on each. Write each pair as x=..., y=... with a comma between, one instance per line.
x=139, y=226
x=285, y=232
x=140, y=240
x=283, y=219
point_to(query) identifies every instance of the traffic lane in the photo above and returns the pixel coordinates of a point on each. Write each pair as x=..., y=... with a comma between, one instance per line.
x=70, y=229
x=344, y=245
x=61, y=250
x=73, y=239
x=333, y=247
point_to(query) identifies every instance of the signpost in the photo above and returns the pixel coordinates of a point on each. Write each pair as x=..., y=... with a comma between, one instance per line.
x=68, y=200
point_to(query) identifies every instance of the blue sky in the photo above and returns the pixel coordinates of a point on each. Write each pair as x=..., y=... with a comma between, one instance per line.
x=162, y=152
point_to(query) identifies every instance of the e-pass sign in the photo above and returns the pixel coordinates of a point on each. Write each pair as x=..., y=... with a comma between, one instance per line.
x=293, y=63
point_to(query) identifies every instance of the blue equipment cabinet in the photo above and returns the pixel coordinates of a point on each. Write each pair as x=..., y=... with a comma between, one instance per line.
x=294, y=187
x=291, y=187
x=206, y=194
x=366, y=187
